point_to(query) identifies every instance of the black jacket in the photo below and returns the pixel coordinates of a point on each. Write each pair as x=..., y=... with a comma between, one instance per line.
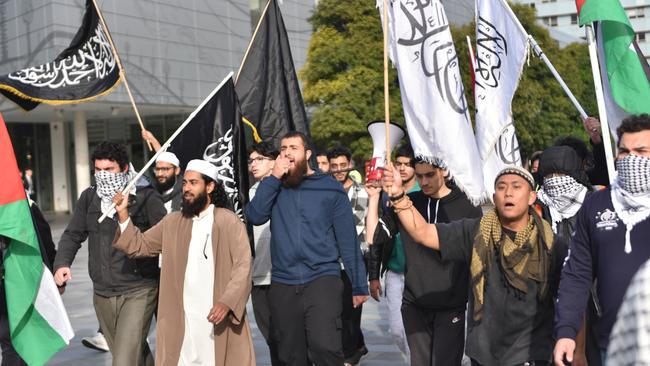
x=176, y=195
x=111, y=271
x=430, y=282
x=44, y=235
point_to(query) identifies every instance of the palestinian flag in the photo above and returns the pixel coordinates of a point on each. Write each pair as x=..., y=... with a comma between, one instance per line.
x=38, y=323
x=624, y=70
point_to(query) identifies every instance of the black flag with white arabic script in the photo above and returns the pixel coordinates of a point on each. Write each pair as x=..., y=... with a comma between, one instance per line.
x=215, y=134
x=85, y=70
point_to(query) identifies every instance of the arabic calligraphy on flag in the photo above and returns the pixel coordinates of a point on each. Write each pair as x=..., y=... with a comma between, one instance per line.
x=85, y=70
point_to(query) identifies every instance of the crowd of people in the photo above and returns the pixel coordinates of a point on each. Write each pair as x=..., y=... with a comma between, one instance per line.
x=537, y=278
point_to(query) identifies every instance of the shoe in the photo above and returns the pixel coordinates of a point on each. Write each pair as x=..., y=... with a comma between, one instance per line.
x=356, y=357
x=96, y=342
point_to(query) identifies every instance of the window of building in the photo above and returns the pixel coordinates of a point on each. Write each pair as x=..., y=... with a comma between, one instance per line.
x=549, y=1
x=574, y=18
x=551, y=21
x=634, y=13
x=640, y=37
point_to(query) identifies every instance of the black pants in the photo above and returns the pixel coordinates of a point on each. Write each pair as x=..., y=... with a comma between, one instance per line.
x=9, y=355
x=529, y=363
x=307, y=321
x=435, y=338
x=262, y=311
x=352, y=336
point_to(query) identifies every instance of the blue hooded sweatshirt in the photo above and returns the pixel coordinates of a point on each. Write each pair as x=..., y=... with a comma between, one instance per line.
x=311, y=228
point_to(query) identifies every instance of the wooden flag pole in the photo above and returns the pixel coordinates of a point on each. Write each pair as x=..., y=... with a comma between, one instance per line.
x=386, y=88
x=600, y=99
x=167, y=143
x=122, y=73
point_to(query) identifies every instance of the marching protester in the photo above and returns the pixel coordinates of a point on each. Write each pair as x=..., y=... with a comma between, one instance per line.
x=323, y=162
x=312, y=227
x=205, y=278
x=168, y=180
x=261, y=158
x=354, y=346
x=125, y=290
x=609, y=244
x=435, y=289
x=513, y=264
x=387, y=257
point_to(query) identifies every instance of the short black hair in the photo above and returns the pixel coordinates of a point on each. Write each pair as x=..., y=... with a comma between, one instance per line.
x=337, y=151
x=579, y=146
x=305, y=140
x=107, y=150
x=264, y=148
x=218, y=197
x=321, y=153
x=632, y=124
x=405, y=151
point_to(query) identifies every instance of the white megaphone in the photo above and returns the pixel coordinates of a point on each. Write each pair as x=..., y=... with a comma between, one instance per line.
x=377, y=130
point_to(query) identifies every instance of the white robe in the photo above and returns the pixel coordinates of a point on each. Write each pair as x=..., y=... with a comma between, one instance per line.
x=198, y=341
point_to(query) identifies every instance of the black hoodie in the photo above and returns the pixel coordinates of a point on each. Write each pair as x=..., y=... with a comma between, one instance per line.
x=430, y=282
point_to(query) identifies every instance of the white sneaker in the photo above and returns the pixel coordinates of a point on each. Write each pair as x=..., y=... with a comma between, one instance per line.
x=97, y=342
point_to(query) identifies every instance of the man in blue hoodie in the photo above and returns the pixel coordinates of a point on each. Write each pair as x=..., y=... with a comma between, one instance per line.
x=312, y=227
x=610, y=243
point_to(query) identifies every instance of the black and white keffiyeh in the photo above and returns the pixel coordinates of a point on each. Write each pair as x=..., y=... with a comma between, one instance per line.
x=109, y=184
x=563, y=195
x=631, y=193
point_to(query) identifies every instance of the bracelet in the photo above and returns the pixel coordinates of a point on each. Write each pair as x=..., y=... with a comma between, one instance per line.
x=402, y=204
x=398, y=197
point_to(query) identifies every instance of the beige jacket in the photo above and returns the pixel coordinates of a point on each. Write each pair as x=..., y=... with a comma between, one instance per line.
x=232, y=283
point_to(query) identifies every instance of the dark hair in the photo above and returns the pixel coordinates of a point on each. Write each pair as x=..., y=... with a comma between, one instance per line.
x=632, y=124
x=305, y=140
x=107, y=150
x=577, y=145
x=321, y=153
x=264, y=148
x=405, y=151
x=337, y=151
x=218, y=197
x=536, y=155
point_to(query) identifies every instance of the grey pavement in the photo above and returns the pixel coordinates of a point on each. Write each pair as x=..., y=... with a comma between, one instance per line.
x=78, y=302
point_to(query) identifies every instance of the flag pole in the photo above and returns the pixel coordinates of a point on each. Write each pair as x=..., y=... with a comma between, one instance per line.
x=539, y=53
x=600, y=99
x=386, y=86
x=169, y=142
x=119, y=64
x=250, y=44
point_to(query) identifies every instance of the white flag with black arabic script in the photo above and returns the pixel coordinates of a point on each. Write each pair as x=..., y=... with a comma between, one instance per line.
x=433, y=96
x=501, y=51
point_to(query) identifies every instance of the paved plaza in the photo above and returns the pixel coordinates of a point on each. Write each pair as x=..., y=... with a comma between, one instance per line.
x=78, y=301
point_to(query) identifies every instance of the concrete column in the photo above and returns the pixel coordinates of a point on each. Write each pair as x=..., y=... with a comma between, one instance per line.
x=60, y=184
x=82, y=157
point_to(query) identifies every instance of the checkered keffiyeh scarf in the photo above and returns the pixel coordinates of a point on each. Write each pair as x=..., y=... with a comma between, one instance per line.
x=631, y=193
x=564, y=196
x=109, y=184
x=359, y=201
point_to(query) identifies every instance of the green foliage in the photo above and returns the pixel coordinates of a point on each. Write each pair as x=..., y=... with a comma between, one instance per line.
x=343, y=79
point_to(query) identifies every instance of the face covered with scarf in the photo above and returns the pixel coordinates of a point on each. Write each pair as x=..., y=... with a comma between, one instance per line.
x=110, y=179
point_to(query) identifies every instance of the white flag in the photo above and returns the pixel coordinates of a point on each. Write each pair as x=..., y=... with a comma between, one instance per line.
x=432, y=91
x=501, y=50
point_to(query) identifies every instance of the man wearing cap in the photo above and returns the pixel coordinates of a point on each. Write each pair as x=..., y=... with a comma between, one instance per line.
x=205, y=278
x=513, y=269
x=168, y=184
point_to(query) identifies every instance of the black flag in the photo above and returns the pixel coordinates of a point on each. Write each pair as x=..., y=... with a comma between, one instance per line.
x=215, y=134
x=267, y=84
x=85, y=70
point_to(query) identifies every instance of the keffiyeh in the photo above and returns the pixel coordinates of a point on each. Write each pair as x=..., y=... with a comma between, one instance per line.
x=109, y=184
x=563, y=195
x=631, y=193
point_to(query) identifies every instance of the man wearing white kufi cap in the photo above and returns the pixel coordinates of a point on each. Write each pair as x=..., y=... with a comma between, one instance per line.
x=168, y=182
x=205, y=278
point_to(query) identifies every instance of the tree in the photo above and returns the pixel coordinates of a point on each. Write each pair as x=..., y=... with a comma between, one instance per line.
x=343, y=79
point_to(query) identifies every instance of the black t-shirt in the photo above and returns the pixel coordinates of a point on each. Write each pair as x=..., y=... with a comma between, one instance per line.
x=515, y=327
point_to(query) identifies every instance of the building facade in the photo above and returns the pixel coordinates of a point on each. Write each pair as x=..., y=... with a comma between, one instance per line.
x=174, y=53
x=561, y=17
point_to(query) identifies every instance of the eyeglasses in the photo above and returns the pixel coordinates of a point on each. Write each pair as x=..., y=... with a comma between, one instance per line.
x=162, y=169
x=258, y=159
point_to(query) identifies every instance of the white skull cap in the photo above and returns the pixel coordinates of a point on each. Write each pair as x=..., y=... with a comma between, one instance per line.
x=203, y=167
x=168, y=157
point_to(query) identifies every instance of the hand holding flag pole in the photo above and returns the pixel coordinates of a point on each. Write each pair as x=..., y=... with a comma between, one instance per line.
x=167, y=143
x=122, y=72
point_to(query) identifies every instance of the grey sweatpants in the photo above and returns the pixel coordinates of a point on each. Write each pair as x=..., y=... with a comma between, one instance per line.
x=125, y=321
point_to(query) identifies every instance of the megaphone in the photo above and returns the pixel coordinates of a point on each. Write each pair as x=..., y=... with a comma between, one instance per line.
x=377, y=130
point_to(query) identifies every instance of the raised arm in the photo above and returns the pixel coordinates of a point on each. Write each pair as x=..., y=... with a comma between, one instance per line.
x=411, y=220
x=372, y=214
x=130, y=239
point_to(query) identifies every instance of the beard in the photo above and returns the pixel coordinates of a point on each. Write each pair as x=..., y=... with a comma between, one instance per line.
x=191, y=208
x=295, y=175
x=165, y=185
